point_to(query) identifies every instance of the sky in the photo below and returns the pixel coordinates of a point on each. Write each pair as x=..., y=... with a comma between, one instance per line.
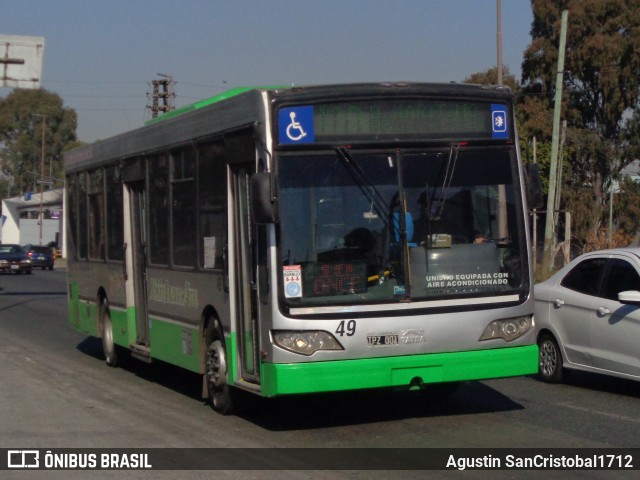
x=101, y=55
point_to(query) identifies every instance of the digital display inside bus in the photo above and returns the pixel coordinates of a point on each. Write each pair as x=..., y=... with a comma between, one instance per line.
x=334, y=278
x=391, y=120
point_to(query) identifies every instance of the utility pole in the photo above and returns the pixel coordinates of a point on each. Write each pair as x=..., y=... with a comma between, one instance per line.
x=549, y=243
x=41, y=181
x=499, y=40
x=162, y=92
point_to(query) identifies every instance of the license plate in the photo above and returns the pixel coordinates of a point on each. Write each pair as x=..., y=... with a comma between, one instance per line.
x=41, y=257
x=15, y=267
x=382, y=340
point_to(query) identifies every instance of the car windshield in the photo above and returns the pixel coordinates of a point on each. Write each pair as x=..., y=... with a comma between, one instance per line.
x=40, y=249
x=11, y=249
x=372, y=227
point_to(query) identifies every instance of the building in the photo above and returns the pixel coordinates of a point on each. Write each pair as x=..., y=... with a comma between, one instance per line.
x=33, y=219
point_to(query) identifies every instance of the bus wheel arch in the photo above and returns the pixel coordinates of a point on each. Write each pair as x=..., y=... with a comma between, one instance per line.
x=215, y=378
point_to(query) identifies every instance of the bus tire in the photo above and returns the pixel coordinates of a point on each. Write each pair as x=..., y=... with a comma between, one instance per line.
x=110, y=349
x=550, y=365
x=219, y=391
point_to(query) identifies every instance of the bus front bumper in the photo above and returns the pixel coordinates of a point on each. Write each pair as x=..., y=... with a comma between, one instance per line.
x=402, y=371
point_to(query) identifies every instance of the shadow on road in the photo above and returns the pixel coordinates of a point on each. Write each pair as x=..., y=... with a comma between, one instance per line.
x=599, y=382
x=23, y=298
x=362, y=407
x=327, y=409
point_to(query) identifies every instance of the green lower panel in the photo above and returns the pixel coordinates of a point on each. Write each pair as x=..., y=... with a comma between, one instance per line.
x=120, y=324
x=82, y=314
x=284, y=379
x=175, y=344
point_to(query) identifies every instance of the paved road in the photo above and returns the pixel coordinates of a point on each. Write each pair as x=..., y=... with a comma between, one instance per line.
x=56, y=392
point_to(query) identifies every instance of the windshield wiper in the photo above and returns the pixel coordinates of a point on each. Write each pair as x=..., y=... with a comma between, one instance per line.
x=364, y=183
x=448, y=176
x=404, y=240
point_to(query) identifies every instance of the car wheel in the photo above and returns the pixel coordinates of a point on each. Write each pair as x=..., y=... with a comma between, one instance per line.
x=550, y=366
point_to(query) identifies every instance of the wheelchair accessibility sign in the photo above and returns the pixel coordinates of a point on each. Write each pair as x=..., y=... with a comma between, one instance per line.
x=499, y=119
x=295, y=125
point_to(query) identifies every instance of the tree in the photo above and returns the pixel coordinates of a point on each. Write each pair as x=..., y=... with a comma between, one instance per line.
x=22, y=115
x=490, y=77
x=601, y=100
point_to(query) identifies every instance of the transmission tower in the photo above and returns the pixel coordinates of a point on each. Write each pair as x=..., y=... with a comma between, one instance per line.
x=162, y=95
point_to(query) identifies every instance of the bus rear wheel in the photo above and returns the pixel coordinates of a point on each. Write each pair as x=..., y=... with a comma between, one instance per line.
x=219, y=391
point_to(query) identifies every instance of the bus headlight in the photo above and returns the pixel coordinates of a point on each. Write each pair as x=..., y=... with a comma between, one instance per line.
x=305, y=342
x=508, y=329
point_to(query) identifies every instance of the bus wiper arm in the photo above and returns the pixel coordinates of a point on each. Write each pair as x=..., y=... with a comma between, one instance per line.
x=365, y=184
x=448, y=176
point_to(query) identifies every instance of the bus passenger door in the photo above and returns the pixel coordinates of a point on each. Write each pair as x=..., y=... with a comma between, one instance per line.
x=137, y=239
x=243, y=265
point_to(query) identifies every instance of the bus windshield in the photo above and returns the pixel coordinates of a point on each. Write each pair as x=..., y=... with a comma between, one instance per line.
x=363, y=227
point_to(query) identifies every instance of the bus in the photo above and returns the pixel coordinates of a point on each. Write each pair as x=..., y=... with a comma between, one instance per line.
x=298, y=240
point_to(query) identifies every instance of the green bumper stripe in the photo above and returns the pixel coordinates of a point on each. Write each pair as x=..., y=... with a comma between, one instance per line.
x=283, y=379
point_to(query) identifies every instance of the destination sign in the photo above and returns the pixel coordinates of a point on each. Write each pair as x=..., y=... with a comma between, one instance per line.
x=393, y=120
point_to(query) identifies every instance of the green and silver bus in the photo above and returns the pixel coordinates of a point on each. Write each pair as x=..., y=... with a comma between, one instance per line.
x=309, y=239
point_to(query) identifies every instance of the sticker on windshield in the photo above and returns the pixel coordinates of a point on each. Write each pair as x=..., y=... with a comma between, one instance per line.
x=295, y=125
x=292, y=281
x=500, y=123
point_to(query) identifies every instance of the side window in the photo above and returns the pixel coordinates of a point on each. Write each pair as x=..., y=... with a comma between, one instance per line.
x=72, y=214
x=183, y=206
x=622, y=276
x=82, y=216
x=96, y=215
x=115, y=221
x=159, y=209
x=585, y=276
x=212, y=203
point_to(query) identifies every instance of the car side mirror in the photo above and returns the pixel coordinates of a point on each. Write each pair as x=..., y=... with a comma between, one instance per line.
x=630, y=297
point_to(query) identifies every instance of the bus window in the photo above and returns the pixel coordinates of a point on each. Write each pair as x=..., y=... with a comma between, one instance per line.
x=96, y=215
x=159, y=209
x=82, y=215
x=183, y=207
x=212, y=204
x=72, y=213
x=115, y=221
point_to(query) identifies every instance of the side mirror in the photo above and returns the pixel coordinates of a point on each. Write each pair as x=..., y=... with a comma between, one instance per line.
x=264, y=198
x=534, y=186
x=630, y=297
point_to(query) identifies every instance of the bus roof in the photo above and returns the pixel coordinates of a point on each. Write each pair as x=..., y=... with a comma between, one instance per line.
x=318, y=89
x=208, y=101
x=241, y=106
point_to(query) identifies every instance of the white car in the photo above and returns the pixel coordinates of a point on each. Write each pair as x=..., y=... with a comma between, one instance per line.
x=587, y=316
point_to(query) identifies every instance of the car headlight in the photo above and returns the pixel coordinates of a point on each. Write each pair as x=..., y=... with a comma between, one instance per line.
x=26, y=262
x=508, y=329
x=4, y=262
x=305, y=342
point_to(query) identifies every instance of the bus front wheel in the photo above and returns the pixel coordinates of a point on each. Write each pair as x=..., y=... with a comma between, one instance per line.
x=219, y=391
x=111, y=351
